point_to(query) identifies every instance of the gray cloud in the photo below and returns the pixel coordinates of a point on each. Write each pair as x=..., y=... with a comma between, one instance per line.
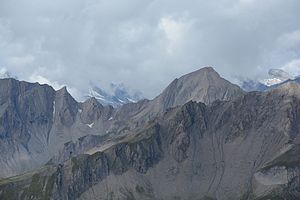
x=145, y=43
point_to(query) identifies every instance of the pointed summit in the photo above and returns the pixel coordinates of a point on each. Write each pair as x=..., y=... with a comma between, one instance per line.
x=205, y=70
x=62, y=90
x=204, y=85
x=67, y=107
x=91, y=110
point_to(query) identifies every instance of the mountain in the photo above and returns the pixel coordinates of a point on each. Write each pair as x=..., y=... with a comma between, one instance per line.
x=118, y=95
x=38, y=122
x=201, y=138
x=41, y=124
x=204, y=85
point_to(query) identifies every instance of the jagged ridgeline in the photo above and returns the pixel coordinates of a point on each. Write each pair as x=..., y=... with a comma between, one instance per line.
x=201, y=138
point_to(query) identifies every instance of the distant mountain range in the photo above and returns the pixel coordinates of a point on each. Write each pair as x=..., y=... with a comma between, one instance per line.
x=117, y=95
x=275, y=79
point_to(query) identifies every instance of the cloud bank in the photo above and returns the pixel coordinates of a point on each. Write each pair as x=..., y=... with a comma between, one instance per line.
x=145, y=43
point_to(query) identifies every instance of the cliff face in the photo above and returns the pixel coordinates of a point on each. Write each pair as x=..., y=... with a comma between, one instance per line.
x=36, y=121
x=241, y=149
x=26, y=113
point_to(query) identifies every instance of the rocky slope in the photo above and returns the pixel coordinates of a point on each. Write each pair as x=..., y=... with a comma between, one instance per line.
x=245, y=148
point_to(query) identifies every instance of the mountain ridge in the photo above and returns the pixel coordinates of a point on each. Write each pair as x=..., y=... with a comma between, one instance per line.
x=215, y=132
x=190, y=142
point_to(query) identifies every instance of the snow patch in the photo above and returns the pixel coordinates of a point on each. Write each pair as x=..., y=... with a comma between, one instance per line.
x=90, y=125
x=120, y=100
x=95, y=94
x=131, y=100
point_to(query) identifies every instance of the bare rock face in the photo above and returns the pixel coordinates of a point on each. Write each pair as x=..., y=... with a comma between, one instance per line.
x=25, y=122
x=37, y=121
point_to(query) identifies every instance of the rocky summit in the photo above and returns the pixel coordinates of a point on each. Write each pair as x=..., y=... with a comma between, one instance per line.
x=202, y=138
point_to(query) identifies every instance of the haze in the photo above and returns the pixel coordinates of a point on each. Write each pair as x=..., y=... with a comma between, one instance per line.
x=145, y=43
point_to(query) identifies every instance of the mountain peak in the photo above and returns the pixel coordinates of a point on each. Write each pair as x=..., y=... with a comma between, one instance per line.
x=67, y=107
x=92, y=101
x=204, y=85
x=208, y=69
x=203, y=71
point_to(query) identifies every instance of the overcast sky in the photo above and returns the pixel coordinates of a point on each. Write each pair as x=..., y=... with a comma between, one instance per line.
x=145, y=44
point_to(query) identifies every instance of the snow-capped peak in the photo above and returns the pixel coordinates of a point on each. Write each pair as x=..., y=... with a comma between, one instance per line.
x=276, y=76
x=117, y=95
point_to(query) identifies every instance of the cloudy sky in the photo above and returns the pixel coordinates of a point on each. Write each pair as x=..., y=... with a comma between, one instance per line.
x=145, y=43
